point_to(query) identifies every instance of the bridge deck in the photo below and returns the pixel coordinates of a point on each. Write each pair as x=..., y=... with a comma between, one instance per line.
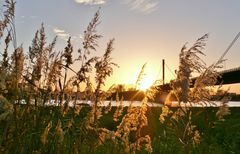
x=226, y=77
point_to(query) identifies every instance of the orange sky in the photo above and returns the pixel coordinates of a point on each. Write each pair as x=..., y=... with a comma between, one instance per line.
x=144, y=31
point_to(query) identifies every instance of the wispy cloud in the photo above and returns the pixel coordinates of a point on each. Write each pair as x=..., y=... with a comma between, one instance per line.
x=61, y=33
x=91, y=2
x=144, y=6
x=57, y=30
x=80, y=37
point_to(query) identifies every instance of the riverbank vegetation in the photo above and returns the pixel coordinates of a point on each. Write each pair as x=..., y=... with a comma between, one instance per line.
x=41, y=74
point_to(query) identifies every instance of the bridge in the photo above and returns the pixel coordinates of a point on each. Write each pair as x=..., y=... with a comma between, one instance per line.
x=230, y=76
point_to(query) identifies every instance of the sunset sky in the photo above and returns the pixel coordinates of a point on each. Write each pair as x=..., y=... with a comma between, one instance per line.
x=144, y=30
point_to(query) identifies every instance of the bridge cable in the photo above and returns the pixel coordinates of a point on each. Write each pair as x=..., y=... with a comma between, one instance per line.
x=229, y=47
x=158, y=74
x=174, y=75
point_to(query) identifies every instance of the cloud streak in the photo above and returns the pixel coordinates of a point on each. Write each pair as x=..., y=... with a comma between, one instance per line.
x=91, y=2
x=57, y=30
x=144, y=6
x=62, y=34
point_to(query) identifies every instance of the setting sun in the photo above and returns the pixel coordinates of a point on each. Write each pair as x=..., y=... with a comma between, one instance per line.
x=146, y=83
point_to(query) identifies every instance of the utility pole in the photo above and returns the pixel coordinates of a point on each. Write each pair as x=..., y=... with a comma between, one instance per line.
x=163, y=71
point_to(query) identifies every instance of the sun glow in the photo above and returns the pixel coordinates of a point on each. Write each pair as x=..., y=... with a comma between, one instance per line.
x=146, y=82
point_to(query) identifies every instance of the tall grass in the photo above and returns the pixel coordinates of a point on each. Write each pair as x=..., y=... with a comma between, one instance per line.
x=41, y=74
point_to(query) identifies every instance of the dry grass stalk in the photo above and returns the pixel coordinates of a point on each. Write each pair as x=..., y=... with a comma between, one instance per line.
x=45, y=133
x=190, y=63
x=108, y=108
x=133, y=121
x=119, y=109
x=223, y=109
x=140, y=76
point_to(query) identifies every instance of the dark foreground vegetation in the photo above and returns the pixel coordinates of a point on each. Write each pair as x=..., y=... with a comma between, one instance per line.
x=27, y=133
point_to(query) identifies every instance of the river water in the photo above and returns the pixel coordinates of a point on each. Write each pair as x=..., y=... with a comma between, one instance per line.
x=151, y=104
